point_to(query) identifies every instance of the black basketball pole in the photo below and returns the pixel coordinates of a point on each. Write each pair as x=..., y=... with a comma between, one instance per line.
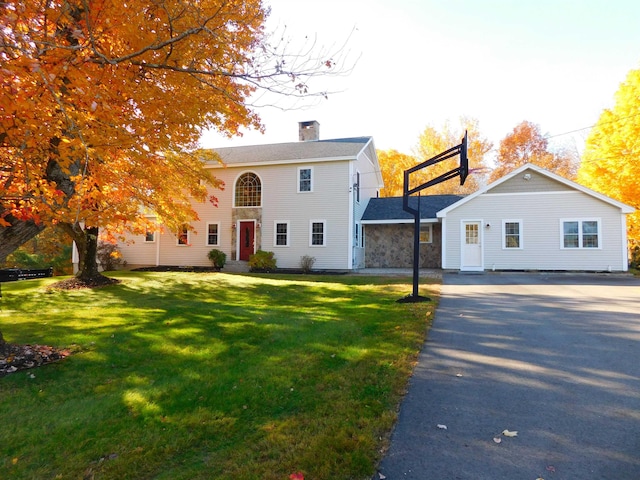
x=461, y=171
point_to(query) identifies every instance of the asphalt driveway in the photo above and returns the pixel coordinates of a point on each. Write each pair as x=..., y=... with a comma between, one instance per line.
x=555, y=357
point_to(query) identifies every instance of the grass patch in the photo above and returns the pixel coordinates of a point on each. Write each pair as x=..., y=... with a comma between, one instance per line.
x=201, y=375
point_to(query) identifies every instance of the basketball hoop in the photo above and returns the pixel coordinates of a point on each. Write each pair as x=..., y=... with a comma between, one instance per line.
x=461, y=171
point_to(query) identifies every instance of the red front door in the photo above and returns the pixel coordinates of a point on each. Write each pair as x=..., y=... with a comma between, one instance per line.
x=247, y=239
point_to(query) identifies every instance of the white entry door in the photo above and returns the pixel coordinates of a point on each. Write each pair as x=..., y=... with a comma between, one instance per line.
x=471, y=246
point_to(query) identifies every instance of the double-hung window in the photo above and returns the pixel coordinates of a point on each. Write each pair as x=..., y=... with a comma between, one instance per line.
x=512, y=234
x=317, y=233
x=213, y=234
x=305, y=179
x=580, y=233
x=281, y=234
x=183, y=236
x=149, y=236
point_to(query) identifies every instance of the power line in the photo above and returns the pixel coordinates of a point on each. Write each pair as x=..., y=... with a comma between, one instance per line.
x=591, y=126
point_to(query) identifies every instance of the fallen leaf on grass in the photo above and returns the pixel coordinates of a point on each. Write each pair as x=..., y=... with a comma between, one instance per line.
x=507, y=433
x=296, y=476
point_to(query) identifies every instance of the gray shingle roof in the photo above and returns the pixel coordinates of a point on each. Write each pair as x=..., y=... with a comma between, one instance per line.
x=279, y=152
x=390, y=208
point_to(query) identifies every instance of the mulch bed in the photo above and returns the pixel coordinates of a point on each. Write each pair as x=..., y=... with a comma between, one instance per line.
x=15, y=358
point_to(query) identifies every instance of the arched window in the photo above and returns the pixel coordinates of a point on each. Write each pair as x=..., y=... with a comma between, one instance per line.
x=248, y=191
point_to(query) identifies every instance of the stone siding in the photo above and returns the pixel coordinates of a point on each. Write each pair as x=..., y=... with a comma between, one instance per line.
x=391, y=246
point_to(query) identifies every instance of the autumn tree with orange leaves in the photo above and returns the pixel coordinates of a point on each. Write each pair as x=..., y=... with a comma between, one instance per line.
x=526, y=144
x=610, y=161
x=102, y=103
x=392, y=167
x=434, y=141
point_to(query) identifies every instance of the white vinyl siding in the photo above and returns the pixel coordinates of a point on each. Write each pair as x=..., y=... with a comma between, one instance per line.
x=541, y=213
x=330, y=202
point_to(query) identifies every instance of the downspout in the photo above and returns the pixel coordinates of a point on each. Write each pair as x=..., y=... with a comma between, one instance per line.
x=158, y=248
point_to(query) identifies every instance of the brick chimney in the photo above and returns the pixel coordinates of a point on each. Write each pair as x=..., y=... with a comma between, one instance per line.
x=309, y=131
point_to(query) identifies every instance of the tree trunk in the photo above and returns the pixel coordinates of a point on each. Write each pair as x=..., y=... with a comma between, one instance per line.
x=89, y=270
x=3, y=346
x=86, y=240
x=16, y=235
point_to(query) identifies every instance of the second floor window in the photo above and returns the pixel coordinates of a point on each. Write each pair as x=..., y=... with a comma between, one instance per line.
x=248, y=191
x=305, y=180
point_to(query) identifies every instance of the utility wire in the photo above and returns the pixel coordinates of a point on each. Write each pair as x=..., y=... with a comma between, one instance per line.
x=591, y=126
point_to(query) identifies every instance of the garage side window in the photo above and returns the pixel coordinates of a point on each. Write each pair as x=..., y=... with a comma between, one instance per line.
x=580, y=233
x=512, y=234
x=426, y=233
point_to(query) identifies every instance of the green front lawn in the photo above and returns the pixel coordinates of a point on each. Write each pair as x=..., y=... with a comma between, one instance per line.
x=208, y=376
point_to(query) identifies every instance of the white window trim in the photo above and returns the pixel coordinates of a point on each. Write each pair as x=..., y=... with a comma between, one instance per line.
x=206, y=240
x=298, y=180
x=275, y=233
x=324, y=233
x=430, y=226
x=356, y=186
x=580, y=241
x=520, y=234
x=178, y=244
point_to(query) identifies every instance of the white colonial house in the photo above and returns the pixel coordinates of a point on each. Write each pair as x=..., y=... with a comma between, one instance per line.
x=319, y=198
x=296, y=199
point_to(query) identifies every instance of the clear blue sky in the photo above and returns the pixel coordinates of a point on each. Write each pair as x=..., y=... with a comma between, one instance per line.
x=557, y=63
